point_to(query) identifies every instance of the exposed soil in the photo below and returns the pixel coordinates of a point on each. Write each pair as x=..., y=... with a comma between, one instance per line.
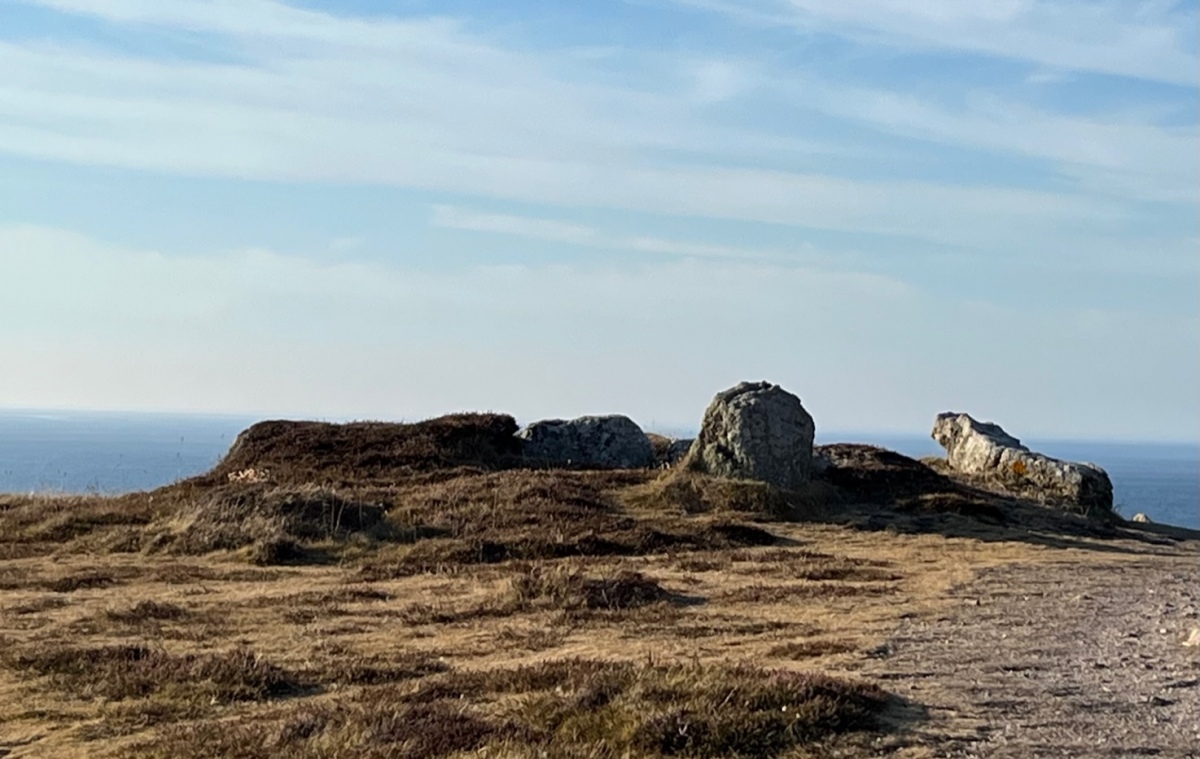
x=1059, y=659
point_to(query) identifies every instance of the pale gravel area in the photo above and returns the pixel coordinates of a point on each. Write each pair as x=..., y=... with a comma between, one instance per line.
x=1067, y=659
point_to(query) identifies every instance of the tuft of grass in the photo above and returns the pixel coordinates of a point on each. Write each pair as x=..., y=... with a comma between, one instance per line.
x=560, y=588
x=133, y=671
x=274, y=520
x=148, y=611
x=375, y=725
x=681, y=490
x=807, y=649
x=81, y=581
x=375, y=670
x=689, y=710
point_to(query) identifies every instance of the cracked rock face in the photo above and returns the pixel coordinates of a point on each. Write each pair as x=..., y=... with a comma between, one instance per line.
x=604, y=442
x=984, y=449
x=756, y=431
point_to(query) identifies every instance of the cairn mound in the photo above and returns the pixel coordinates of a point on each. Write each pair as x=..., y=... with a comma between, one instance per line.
x=366, y=453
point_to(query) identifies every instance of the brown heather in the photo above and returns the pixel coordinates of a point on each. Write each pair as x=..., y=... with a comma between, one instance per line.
x=380, y=590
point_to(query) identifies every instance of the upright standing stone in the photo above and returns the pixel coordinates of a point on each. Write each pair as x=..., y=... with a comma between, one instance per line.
x=755, y=431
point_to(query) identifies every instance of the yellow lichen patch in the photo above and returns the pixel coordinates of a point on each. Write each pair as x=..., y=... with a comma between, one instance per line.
x=1019, y=468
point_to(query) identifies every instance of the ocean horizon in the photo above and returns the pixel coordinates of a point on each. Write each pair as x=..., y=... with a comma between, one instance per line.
x=106, y=452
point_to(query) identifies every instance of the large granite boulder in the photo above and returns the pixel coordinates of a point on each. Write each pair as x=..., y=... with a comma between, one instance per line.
x=985, y=450
x=755, y=431
x=603, y=442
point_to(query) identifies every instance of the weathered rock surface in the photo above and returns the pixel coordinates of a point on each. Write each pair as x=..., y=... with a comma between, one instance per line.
x=985, y=450
x=607, y=442
x=755, y=431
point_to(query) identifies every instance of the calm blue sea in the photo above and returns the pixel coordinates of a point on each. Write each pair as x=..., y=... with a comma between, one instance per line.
x=75, y=452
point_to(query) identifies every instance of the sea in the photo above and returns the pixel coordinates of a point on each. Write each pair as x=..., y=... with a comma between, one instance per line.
x=112, y=453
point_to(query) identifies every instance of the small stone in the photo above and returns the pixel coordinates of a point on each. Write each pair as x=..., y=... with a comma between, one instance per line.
x=1193, y=638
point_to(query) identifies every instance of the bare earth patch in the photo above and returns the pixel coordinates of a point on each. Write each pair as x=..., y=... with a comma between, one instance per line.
x=1066, y=658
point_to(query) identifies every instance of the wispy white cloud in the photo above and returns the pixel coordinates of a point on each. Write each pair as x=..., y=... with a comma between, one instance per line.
x=1146, y=40
x=1149, y=161
x=549, y=230
x=424, y=103
x=453, y=217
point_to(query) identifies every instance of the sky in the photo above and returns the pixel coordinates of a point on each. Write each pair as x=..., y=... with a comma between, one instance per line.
x=392, y=210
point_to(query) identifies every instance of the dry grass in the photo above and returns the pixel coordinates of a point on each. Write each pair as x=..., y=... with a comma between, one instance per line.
x=565, y=708
x=119, y=672
x=445, y=604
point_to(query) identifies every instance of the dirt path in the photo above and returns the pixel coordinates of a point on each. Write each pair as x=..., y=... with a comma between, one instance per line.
x=1067, y=659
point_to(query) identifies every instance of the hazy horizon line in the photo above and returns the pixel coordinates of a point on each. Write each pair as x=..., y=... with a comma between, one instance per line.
x=653, y=426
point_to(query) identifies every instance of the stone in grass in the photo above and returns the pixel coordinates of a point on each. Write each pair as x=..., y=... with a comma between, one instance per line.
x=601, y=442
x=984, y=449
x=755, y=431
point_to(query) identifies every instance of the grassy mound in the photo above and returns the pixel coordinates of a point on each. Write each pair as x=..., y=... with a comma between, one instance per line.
x=360, y=453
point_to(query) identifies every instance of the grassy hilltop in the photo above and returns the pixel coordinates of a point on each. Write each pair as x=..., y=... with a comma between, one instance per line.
x=418, y=591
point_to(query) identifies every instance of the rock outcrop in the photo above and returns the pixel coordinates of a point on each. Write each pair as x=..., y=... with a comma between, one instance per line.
x=983, y=449
x=604, y=442
x=755, y=431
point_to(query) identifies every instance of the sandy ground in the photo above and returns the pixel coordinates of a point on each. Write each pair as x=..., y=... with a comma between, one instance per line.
x=1063, y=658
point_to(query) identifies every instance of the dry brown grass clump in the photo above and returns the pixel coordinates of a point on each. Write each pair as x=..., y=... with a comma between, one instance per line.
x=560, y=708
x=120, y=672
x=32, y=524
x=276, y=520
x=561, y=588
x=681, y=491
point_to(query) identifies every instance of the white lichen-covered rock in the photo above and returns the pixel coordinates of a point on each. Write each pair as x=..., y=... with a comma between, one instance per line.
x=755, y=431
x=606, y=442
x=984, y=449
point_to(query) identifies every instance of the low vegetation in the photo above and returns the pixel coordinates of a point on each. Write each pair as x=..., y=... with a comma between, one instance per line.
x=376, y=590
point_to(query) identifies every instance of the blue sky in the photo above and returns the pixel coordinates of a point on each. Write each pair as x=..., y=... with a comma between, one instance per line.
x=397, y=209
